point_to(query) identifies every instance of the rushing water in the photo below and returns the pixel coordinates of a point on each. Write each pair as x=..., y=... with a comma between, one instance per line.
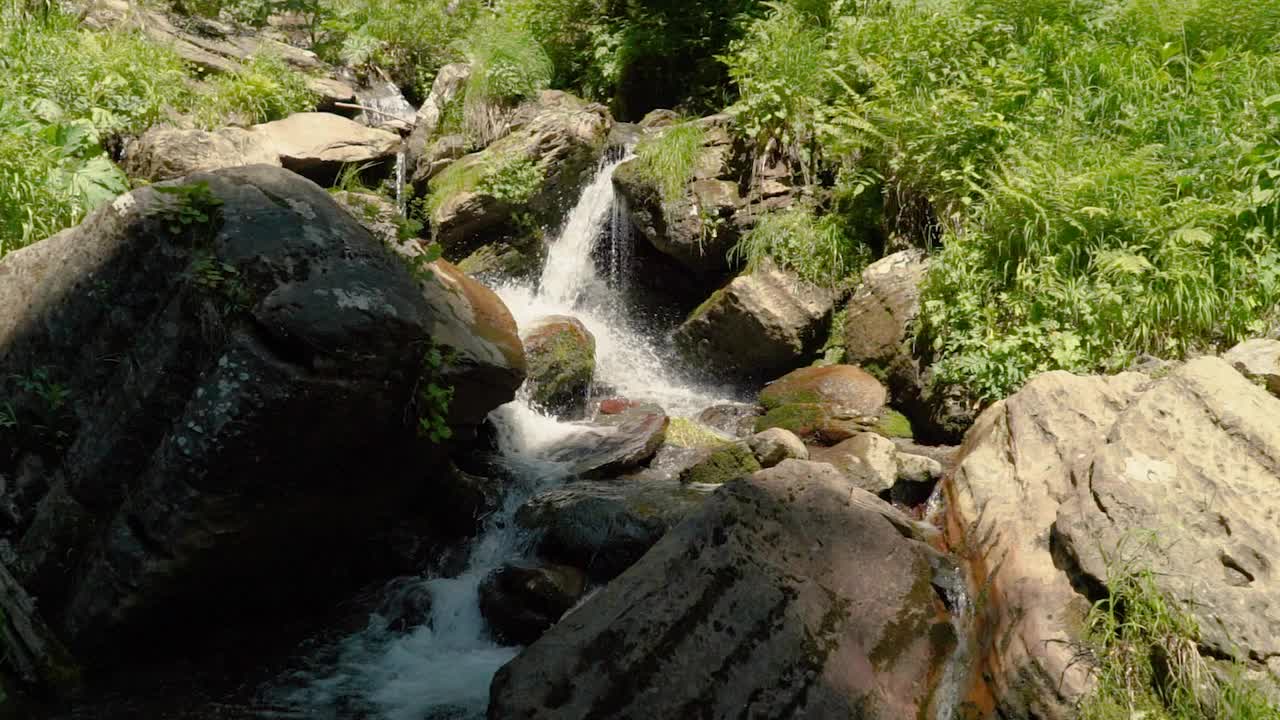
x=442, y=669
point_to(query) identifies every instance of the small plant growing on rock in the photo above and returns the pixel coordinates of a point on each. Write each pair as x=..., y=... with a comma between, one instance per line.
x=190, y=207
x=433, y=398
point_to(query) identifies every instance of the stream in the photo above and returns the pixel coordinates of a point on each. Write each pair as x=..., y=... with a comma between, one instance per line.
x=442, y=668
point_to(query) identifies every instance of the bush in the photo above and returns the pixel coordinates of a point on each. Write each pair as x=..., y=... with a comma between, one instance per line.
x=817, y=248
x=267, y=89
x=1101, y=173
x=64, y=91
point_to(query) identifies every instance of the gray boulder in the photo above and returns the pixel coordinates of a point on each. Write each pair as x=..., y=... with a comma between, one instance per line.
x=738, y=609
x=235, y=365
x=760, y=324
x=316, y=145
x=774, y=445
x=448, y=86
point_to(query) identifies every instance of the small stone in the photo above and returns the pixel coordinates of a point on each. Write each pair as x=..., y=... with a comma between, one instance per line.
x=774, y=445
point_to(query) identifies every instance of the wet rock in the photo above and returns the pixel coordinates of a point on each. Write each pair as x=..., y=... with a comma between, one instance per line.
x=774, y=445
x=721, y=465
x=738, y=607
x=918, y=475
x=738, y=420
x=561, y=355
x=608, y=450
x=815, y=423
x=604, y=527
x=690, y=434
x=385, y=108
x=556, y=137
x=1258, y=360
x=253, y=425
x=1072, y=470
x=698, y=228
x=406, y=604
x=759, y=324
x=464, y=499
x=316, y=145
x=521, y=602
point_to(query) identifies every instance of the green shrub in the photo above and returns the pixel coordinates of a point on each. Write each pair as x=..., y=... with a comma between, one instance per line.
x=818, y=248
x=507, y=66
x=669, y=159
x=267, y=89
x=64, y=92
x=1100, y=173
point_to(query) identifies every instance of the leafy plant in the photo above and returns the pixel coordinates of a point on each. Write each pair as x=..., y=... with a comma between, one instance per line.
x=267, y=89
x=514, y=180
x=188, y=207
x=433, y=398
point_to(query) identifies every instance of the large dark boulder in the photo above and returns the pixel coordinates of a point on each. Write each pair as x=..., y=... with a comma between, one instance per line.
x=788, y=595
x=222, y=380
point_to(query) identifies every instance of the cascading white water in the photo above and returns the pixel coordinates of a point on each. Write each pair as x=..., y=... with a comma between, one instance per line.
x=443, y=669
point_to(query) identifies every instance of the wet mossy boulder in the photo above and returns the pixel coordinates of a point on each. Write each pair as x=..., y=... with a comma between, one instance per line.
x=723, y=464
x=561, y=355
x=844, y=389
x=691, y=434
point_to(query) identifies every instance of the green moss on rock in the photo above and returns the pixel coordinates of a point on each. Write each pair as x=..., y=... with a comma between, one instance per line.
x=686, y=433
x=723, y=465
x=800, y=418
x=894, y=424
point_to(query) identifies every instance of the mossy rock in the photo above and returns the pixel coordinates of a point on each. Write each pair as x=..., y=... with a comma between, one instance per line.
x=811, y=422
x=723, y=465
x=561, y=358
x=845, y=389
x=893, y=424
x=686, y=433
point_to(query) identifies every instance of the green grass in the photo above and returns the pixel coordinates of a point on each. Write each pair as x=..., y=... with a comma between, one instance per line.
x=669, y=159
x=507, y=65
x=1148, y=664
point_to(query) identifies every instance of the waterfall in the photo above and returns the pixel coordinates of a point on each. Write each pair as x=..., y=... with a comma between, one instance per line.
x=443, y=669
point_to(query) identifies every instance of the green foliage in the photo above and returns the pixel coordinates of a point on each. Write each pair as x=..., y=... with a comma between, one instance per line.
x=669, y=159
x=507, y=65
x=818, y=248
x=188, y=208
x=37, y=414
x=408, y=41
x=1101, y=173
x=267, y=89
x=1147, y=661
x=433, y=397
x=64, y=92
x=514, y=181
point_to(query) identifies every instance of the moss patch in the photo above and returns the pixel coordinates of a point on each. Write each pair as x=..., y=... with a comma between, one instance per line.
x=562, y=364
x=686, y=433
x=772, y=400
x=894, y=424
x=706, y=304
x=801, y=418
x=728, y=463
